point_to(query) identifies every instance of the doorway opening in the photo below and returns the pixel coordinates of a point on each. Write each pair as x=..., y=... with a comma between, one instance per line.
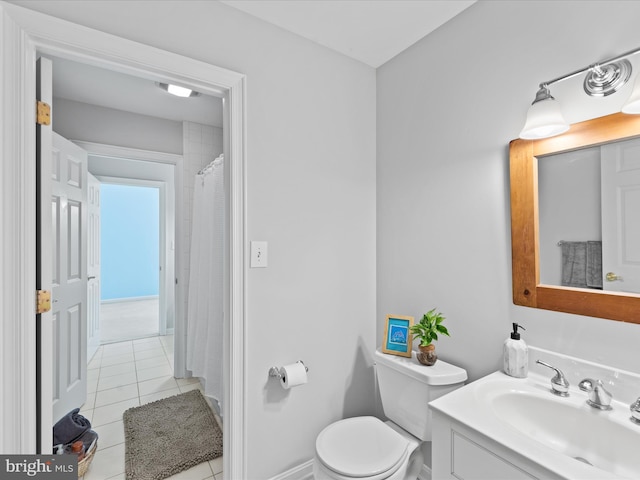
x=30, y=32
x=130, y=262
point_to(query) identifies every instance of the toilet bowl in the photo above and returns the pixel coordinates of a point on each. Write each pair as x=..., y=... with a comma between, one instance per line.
x=366, y=448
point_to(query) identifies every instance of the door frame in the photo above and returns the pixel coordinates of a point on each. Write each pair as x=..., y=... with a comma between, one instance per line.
x=173, y=294
x=25, y=34
x=163, y=241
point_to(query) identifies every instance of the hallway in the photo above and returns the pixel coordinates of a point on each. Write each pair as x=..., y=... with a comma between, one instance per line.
x=128, y=319
x=124, y=375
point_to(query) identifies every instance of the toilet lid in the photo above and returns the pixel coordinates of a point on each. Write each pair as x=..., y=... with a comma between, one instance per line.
x=360, y=447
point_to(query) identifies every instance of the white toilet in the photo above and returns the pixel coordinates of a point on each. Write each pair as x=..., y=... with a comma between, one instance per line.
x=365, y=448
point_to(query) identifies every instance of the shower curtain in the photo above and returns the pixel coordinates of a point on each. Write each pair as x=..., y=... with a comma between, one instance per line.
x=206, y=274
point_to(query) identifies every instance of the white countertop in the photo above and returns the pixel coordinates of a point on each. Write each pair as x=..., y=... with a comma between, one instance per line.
x=472, y=406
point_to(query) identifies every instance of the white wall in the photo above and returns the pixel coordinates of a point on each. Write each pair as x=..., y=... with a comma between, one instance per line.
x=447, y=109
x=311, y=195
x=91, y=123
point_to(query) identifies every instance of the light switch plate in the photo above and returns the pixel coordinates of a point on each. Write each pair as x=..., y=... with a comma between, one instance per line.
x=258, y=254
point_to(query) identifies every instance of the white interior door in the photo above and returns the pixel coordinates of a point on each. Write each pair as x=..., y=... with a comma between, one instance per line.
x=69, y=292
x=93, y=266
x=620, y=207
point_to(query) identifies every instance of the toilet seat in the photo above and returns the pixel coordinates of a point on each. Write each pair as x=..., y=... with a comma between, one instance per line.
x=361, y=447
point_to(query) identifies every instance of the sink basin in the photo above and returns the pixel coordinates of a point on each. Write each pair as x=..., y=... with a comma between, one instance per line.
x=517, y=425
x=607, y=440
x=576, y=430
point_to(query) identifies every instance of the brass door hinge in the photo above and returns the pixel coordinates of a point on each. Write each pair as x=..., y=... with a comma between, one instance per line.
x=43, y=301
x=43, y=113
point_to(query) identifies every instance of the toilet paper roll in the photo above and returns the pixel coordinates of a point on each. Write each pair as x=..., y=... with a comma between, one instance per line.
x=293, y=375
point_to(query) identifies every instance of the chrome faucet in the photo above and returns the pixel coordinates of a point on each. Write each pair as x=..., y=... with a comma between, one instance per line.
x=635, y=411
x=559, y=384
x=599, y=397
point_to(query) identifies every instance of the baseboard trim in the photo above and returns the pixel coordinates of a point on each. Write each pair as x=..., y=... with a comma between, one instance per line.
x=129, y=299
x=425, y=473
x=301, y=472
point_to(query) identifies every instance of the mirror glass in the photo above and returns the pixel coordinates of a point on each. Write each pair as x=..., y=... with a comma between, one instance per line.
x=589, y=205
x=575, y=237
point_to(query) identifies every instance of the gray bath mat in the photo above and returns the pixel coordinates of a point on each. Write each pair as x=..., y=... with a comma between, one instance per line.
x=168, y=436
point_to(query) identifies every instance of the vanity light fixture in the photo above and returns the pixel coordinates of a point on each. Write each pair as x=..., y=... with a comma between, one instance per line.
x=544, y=117
x=177, y=90
x=633, y=104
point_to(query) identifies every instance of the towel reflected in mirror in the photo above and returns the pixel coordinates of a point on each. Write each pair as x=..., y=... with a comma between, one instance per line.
x=582, y=264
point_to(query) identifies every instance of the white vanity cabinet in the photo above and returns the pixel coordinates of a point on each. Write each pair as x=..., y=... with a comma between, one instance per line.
x=461, y=453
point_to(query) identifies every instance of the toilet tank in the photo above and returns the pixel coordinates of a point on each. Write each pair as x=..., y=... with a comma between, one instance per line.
x=406, y=388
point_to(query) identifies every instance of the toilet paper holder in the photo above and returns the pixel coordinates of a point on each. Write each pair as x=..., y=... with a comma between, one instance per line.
x=275, y=371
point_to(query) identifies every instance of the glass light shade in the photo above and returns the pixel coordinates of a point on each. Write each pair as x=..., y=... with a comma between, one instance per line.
x=178, y=91
x=632, y=105
x=544, y=119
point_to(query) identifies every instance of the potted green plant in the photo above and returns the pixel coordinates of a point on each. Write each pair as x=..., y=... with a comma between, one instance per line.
x=427, y=331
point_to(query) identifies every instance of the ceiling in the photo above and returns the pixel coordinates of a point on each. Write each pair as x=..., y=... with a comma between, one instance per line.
x=106, y=88
x=370, y=31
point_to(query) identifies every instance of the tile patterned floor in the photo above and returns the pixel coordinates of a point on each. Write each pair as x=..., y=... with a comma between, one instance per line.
x=124, y=375
x=129, y=319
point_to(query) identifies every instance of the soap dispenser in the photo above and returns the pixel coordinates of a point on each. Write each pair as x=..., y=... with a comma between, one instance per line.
x=516, y=354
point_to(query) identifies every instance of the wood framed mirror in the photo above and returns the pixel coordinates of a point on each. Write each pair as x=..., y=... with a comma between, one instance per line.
x=527, y=289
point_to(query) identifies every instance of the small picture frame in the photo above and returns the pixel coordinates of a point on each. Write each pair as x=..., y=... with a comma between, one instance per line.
x=397, y=338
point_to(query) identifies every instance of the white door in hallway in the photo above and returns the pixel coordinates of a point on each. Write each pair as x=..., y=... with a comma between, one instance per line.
x=620, y=225
x=61, y=268
x=69, y=292
x=93, y=266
